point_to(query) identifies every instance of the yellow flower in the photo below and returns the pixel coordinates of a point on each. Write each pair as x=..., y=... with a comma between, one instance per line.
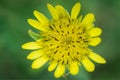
x=65, y=41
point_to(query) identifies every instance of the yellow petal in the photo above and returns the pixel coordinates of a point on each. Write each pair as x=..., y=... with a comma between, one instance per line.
x=94, y=41
x=80, y=18
x=59, y=71
x=37, y=25
x=61, y=11
x=31, y=45
x=97, y=58
x=38, y=63
x=41, y=17
x=74, y=68
x=89, y=66
x=89, y=26
x=52, y=11
x=52, y=66
x=88, y=19
x=95, y=32
x=75, y=10
x=35, y=54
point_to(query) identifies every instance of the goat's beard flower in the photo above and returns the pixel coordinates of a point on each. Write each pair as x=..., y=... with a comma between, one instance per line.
x=65, y=40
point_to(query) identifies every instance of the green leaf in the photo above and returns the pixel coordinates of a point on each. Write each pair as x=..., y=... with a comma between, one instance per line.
x=34, y=35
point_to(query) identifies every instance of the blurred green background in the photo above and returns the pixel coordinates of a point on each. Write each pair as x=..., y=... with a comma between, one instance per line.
x=13, y=33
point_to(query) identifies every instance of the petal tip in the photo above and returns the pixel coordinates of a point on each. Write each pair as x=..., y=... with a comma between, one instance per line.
x=91, y=14
x=49, y=70
x=74, y=73
x=95, y=41
x=75, y=10
x=57, y=75
x=23, y=46
x=49, y=5
x=78, y=3
x=29, y=57
x=74, y=68
x=34, y=67
x=29, y=20
x=104, y=61
x=91, y=70
x=95, y=32
x=35, y=11
x=59, y=71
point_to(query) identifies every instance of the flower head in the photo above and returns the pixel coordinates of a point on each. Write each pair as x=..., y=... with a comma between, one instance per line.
x=65, y=41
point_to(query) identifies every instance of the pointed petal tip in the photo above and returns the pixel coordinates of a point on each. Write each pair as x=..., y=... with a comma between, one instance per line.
x=75, y=10
x=52, y=11
x=24, y=46
x=97, y=58
x=103, y=61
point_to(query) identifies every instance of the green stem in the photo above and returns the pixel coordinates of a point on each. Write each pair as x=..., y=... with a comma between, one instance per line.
x=65, y=76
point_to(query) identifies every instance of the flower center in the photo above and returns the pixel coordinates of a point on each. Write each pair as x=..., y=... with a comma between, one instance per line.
x=67, y=41
x=64, y=41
